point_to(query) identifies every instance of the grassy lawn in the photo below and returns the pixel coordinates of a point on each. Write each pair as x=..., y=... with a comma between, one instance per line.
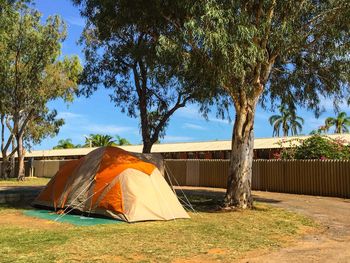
x=206, y=237
x=35, y=181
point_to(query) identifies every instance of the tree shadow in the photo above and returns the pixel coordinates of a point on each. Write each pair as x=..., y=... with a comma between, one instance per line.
x=17, y=197
x=200, y=203
x=265, y=200
x=211, y=201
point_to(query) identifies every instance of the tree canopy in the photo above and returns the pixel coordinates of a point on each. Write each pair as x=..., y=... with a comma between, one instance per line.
x=99, y=140
x=122, y=141
x=295, y=52
x=64, y=144
x=32, y=74
x=122, y=51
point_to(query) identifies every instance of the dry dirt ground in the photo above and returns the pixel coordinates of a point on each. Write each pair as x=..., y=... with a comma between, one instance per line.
x=332, y=244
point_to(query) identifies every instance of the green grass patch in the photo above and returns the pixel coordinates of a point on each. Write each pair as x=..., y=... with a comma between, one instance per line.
x=29, y=181
x=207, y=236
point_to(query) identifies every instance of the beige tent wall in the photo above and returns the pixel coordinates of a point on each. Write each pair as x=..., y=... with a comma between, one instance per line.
x=149, y=197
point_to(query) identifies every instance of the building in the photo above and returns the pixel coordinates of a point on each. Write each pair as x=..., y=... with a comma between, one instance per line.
x=264, y=148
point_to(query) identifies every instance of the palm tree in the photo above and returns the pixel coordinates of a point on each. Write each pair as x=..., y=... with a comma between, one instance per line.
x=287, y=121
x=122, y=141
x=321, y=130
x=64, y=144
x=99, y=140
x=340, y=123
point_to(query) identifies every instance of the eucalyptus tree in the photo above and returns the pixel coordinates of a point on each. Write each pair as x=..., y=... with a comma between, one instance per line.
x=33, y=74
x=287, y=121
x=121, y=44
x=261, y=51
x=7, y=11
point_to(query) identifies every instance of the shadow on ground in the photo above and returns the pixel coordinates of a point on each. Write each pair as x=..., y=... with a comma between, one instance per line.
x=207, y=200
x=18, y=197
x=201, y=200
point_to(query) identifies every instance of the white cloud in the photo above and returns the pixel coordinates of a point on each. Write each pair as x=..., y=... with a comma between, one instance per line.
x=76, y=21
x=170, y=138
x=69, y=115
x=192, y=112
x=193, y=126
x=328, y=105
x=106, y=129
x=223, y=121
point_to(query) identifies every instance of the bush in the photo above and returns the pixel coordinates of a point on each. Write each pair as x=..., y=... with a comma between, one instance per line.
x=318, y=147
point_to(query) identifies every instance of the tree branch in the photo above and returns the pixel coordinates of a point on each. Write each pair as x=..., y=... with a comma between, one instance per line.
x=165, y=118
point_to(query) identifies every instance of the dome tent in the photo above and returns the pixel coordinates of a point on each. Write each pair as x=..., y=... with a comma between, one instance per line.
x=112, y=182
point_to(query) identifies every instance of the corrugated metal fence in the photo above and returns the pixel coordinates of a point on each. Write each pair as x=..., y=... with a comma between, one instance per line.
x=45, y=168
x=312, y=177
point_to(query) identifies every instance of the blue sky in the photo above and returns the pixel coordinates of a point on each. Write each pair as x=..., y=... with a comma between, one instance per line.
x=98, y=115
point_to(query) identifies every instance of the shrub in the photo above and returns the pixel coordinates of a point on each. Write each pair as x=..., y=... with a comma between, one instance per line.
x=318, y=147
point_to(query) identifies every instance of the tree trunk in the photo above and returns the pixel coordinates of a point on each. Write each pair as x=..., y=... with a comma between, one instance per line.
x=147, y=146
x=20, y=158
x=5, y=165
x=238, y=193
x=12, y=166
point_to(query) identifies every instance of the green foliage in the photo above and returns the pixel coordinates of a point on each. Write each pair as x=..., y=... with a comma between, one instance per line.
x=31, y=72
x=287, y=121
x=320, y=130
x=340, y=123
x=123, y=53
x=293, y=52
x=122, y=141
x=315, y=147
x=64, y=144
x=297, y=50
x=99, y=140
x=31, y=75
x=318, y=147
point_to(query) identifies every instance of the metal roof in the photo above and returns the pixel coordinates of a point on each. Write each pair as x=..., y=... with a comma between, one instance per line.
x=259, y=143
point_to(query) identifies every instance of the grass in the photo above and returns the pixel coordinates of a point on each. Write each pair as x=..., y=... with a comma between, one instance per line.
x=34, y=181
x=208, y=236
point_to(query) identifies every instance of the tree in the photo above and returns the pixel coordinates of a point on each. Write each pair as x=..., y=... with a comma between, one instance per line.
x=122, y=141
x=99, y=140
x=7, y=12
x=263, y=51
x=287, y=121
x=340, y=123
x=64, y=144
x=321, y=130
x=121, y=44
x=32, y=75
